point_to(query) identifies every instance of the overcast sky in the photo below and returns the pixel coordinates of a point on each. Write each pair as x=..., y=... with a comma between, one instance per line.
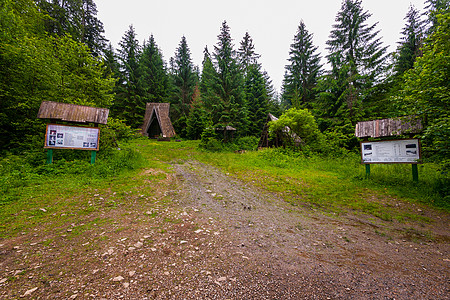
x=271, y=24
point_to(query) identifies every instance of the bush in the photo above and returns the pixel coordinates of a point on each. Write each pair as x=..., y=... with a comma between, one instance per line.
x=115, y=131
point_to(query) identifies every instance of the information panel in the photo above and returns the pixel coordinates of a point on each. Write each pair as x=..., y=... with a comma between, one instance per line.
x=72, y=137
x=395, y=151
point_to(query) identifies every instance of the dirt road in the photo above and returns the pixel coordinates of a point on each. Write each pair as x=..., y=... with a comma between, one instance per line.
x=219, y=238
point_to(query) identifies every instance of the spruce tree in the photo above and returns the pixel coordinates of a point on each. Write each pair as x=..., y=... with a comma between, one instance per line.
x=246, y=52
x=153, y=76
x=303, y=71
x=210, y=99
x=198, y=118
x=257, y=85
x=257, y=99
x=129, y=103
x=229, y=85
x=77, y=18
x=433, y=9
x=410, y=43
x=355, y=47
x=184, y=78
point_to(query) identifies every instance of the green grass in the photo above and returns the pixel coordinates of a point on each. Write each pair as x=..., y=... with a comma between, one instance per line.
x=33, y=193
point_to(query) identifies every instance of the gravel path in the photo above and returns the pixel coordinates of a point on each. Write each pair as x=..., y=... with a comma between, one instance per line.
x=278, y=251
x=205, y=235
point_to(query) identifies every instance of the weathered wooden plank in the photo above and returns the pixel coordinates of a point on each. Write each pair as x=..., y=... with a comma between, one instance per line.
x=73, y=113
x=388, y=127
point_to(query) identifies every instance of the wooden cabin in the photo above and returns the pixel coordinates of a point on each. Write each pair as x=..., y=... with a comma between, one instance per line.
x=157, y=122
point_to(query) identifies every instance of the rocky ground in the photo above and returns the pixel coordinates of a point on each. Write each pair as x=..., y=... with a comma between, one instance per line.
x=207, y=235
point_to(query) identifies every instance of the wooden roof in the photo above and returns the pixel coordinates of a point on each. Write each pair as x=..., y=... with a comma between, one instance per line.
x=388, y=127
x=72, y=113
x=161, y=112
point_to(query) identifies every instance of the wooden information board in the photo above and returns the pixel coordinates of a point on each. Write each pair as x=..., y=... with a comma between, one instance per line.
x=72, y=137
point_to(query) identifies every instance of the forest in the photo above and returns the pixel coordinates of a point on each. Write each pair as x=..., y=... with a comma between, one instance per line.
x=56, y=50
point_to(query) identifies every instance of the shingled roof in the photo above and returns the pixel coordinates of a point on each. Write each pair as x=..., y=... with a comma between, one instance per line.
x=157, y=121
x=72, y=113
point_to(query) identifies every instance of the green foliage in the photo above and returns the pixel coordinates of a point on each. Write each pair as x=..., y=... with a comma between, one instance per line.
x=184, y=78
x=30, y=169
x=77, y=19
x=303, y=71
x=257, y=99
x=298, y=129
x=228, y=85
x=426, y=92
x=153, y=78
x=129, y=104
x=116, y=130
x=410, y=43
x=357, y=60
x=36, y=67
x=198, y=118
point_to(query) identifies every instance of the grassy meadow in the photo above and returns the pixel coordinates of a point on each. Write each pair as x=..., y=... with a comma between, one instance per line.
x=33, y=193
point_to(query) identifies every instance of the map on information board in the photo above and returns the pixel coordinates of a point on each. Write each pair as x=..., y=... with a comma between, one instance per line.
x=395, y=151
x=72, y=137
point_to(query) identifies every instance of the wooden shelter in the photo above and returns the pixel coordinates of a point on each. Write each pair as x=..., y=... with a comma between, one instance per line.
x=228, y=132
x=157, y=122
x=72, y=113
x=265, y=141
x=388, y=127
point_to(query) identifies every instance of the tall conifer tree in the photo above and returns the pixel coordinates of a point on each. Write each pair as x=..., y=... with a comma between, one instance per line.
x=77, y=18
x=230, y=83
x=410, y=43
x=246, y=52
x=356, y=48
x=128, y=104
x=184, y=79
x=303, y=71
x=153, y=77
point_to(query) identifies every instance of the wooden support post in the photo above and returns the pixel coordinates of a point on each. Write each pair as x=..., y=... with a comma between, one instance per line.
x=415, y=172
x=367, y=171
x=93, y=156
x=49, y=156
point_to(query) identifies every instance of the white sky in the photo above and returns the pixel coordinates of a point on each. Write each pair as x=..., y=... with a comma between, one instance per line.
x=271, y=24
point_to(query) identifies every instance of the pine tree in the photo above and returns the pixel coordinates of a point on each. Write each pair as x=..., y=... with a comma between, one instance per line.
x=257, y=86
x=229, y=85
x=184, y=79
x=410, y=43
x=211, y=101
x=154, y=79
x=246, y=52
x=198, y=118
x=356, y=48
x=426, y=93
x=433, y=9
x=257, y=99
x=303, y=71
x=77, y=18
x=129, y=103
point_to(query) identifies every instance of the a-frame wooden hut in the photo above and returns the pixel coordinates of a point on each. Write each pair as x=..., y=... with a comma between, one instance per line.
x=157, y=122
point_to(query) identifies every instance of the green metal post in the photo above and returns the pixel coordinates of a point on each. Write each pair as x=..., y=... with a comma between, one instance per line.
x=49, y=156
x=415, y=173
x=367, y=171
x=93, y=155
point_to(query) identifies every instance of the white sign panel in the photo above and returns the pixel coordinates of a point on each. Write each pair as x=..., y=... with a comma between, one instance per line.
x=72, y=137
x=396, y=151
